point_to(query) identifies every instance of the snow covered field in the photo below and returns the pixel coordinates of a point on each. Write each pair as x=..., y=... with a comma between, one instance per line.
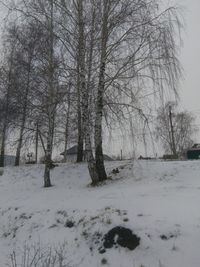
x=158, y=201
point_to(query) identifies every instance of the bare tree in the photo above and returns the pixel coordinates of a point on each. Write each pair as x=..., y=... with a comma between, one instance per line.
x=137, y=52
x=46, y=64
x=184, y=128
x=85, y=88
x=25, y=38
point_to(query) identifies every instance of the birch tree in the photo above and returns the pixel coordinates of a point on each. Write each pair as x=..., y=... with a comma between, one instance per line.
x=47, y=93
x=25, y=38
x=137, y=51
x=85, y=87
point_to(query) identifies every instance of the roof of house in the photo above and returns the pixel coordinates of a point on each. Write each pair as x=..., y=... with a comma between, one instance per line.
x=71, y=151
x=107, y=158
x=195, y=147
x=74, y=150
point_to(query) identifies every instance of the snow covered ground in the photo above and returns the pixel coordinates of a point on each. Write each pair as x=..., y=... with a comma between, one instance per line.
x=158, y=201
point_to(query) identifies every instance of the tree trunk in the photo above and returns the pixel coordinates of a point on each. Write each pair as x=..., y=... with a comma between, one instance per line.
x=24, y=114
x=47, y=180
x=80, y=142
x=49, y=148
x=5, y=123
x=51, y=103
x=85, y=93
x=66, y=140
x=67, y=124
x=80, y=130
x=2, y=156
x=173, y=145
x=36, y=143
x=100, y=95
x=18, y=152
x=98, y=140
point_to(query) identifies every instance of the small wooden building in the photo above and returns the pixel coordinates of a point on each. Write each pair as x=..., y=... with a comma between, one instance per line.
x=72, y=155
x=9, y=160
x=194, y=152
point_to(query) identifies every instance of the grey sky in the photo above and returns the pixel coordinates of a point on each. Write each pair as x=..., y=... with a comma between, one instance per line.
x=190, y=56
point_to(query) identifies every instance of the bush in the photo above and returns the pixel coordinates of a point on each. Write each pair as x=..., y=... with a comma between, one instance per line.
x=35, y=256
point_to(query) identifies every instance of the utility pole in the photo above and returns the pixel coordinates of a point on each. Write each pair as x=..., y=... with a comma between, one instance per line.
x=172, y=131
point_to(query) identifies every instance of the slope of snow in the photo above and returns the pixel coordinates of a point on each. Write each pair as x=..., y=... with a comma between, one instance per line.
x=153, y=199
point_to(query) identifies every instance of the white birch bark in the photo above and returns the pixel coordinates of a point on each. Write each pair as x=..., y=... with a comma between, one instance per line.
x=51, y=103
x=100, y=95
x=85, y=89
x=67, y=123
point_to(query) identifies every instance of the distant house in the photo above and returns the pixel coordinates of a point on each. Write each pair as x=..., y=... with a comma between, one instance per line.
x=170, y=157
x=193, y=152
x=107, y=158
x=9, y=160
x=72, y=155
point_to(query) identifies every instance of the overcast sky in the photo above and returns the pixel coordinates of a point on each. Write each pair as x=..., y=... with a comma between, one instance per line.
x=190, y=57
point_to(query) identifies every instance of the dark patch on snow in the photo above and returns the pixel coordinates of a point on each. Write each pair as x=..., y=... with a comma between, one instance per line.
x=24, y=216
x=85, y=234
x=53, y=226
x=69, y=224
x=167, y=237
x=120, y=236
x=104, y=261
x=62, y=212
x=115, y=171
x=102, y=250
